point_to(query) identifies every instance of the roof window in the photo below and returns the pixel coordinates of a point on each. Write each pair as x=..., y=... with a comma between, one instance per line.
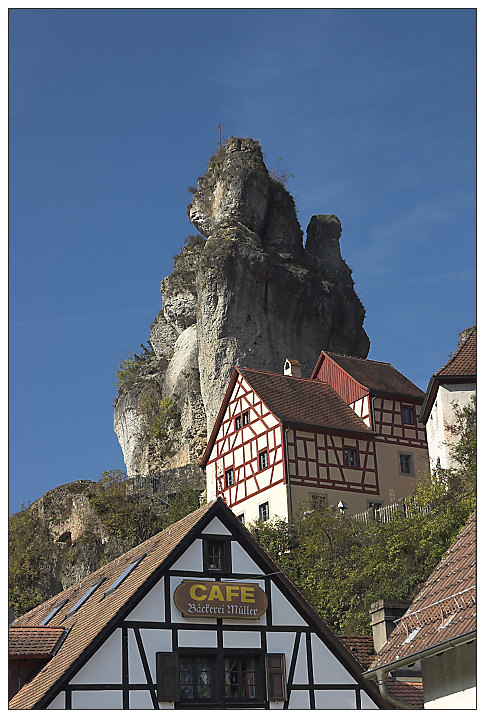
x=84, y=598
x=55, y=610
x=125, y=573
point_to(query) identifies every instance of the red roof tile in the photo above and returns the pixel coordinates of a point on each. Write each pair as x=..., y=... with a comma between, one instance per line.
x=305, y=402
x=380, y=377
x=361, y=647
x=444, y=609
x=39, y=641
x=464, y=360
x=411, y=693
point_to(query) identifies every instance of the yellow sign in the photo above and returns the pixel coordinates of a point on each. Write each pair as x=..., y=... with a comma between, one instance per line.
x=220, y=599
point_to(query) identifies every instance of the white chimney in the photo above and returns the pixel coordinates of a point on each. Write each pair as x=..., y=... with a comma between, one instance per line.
x=292, y=368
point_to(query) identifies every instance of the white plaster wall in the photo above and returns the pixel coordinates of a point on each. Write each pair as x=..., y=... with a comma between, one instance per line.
x=339, y=700
x=105, y=665
x=462, y=700
x=326, y=667
x=140, y=700
x=299, y=699
x=151, y=607
x=242, y=562
x=241, y=639
x=153, y=639
x=442, y=413
x=97, y=700
x=210, y=471
x=276, y=497
x=191, y=559
x=59, y=702
x=197, y=639
x=216, y=527
x=367, y=703
x=282, y=643
x=282, y=611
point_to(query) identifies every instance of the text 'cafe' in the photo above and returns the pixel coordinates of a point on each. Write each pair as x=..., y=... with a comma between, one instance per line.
x=198, y=616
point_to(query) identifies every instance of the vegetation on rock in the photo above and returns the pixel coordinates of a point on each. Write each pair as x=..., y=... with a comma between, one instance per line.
x=127, y=374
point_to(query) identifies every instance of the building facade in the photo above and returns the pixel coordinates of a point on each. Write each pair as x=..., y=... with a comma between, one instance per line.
x=349, y=434
x=449, y=389
x=196, y=617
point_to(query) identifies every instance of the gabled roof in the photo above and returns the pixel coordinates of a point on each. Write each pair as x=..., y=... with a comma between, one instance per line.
x=377, y=376
x=33, y=641
x=99, y=615
x=460, y=368
x=443, y=611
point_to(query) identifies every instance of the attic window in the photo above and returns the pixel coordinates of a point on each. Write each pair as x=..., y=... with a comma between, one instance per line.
x=84, y=598
x=237, y=422
x=245, y=418
x=125, y=573
x=55, y=610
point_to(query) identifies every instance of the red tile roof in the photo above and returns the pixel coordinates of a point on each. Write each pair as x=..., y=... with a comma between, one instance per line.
x=411, y=693
x=361, y=647
x=303, y=402
x=380, y=377
x=445, y=608
x=35, y=641
x=463, y=363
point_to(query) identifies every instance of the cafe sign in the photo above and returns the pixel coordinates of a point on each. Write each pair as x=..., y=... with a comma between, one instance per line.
x=219, y=599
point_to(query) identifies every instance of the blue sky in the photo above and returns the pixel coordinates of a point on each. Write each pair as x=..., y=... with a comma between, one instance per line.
x=113, y=114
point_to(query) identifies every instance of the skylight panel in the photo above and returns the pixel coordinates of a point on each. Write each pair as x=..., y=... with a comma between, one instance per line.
x=55, y=610
x=125, y=573
x=84, y=598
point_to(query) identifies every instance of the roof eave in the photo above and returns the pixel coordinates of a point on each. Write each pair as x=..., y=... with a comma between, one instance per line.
x=320, y=427
x=422, y=655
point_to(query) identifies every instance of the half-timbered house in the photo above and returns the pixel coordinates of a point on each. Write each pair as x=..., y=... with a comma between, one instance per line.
x=198, y=616
x=349, y=435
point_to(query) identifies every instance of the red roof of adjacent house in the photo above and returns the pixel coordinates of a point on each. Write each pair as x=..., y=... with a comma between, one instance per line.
x=461, y=367
x=33, y=641
x=378, y=376
x=464, y=360
x=303, y=402
x=444, y=609
x=362, y=648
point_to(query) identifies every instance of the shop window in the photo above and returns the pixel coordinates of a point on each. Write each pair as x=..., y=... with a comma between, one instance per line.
x=229, y=477
x=276, y=676
x=245, y=418
x=408, y=415
x=351, y=458
x=264, y=511
x=237, y=422
x=217, y=555
x=406, y=464
x=263, y=460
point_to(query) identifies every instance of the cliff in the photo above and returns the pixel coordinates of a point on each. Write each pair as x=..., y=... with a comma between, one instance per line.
x=244, y=291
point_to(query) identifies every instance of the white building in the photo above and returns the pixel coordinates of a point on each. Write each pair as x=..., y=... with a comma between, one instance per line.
x=449, y=388
x=198, y=616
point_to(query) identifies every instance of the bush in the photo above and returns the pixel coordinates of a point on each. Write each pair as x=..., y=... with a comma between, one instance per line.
x=127, y=374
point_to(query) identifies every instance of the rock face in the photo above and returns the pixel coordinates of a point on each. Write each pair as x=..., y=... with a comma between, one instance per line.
x=248, y=294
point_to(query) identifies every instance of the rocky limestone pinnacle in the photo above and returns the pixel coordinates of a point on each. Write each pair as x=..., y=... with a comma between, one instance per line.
x=245, y=293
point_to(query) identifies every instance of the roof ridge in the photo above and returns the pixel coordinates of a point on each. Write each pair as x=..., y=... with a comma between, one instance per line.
x=350, y=356
x=471, y=337
x=285, y=376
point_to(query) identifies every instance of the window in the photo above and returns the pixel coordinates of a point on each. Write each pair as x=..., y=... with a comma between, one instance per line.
x=229, y=477
x=241, y=518
x=217, y=555
x=263, y=460
x=197, y=678
x=245, y=418
x=318, y=501
x=84, y=598
x=275, y=676
x=240, y=677
x=264, y=511
x=408, y=415
x=237, y=422
x=351, y=457
x=406, y=463
x=55, y=610
x=125, y=573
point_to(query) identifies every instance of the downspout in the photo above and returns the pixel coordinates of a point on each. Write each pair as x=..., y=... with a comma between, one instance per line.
x=381, y=680
x=287, y=477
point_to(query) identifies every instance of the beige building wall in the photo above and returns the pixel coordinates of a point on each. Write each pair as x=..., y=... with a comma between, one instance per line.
x=393, y=484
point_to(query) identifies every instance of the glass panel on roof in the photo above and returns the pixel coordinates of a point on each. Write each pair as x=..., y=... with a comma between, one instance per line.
x=125, y=573
x=84, y=598
x=55, y=610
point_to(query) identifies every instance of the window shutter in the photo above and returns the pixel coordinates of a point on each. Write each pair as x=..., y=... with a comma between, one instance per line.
x=276, y=676
x=167, y=677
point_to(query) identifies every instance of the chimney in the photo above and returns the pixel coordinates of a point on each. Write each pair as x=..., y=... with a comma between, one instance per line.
x=292, y=368
x=383, y=614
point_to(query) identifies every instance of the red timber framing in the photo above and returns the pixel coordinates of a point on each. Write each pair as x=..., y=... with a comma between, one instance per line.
x=318, y=459
x=390, y=426
x=239, y=449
